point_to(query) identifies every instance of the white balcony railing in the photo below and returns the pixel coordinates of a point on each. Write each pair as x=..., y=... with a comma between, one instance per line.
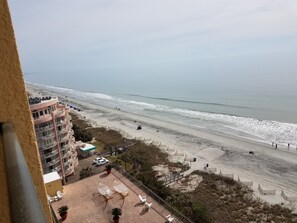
x=48, y=127
x=54, y=152
x=49, y=145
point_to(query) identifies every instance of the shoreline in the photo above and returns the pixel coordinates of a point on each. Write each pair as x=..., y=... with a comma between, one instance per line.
x=272, y=169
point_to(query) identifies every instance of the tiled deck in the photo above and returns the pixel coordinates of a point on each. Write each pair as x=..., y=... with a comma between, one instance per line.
x=86, y=205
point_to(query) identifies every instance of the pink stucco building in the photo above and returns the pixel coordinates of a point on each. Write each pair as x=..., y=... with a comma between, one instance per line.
x=54, y=133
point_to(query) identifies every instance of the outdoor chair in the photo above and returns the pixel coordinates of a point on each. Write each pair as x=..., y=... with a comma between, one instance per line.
x=169, y=219
x=148, y=205
x=50, y=199
x=60, y=195
x=142, y=199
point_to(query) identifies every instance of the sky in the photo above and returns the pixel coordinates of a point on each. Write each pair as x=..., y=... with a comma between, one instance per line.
x=158, y=37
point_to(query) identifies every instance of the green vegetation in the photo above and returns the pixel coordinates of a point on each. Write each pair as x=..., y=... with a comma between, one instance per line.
x=81, y=135
x=85, y=172
x=63, y=210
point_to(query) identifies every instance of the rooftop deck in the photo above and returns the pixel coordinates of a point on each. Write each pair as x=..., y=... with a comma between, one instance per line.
x=87, y=205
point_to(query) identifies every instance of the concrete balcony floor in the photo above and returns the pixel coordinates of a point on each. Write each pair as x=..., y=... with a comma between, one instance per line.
x=86, y=205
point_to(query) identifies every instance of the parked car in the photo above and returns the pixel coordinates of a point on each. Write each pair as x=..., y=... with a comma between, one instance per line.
x=98, y=159
x=101, y=162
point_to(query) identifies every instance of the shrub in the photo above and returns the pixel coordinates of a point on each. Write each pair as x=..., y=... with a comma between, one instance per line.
x=80, y=134
x=85, y=172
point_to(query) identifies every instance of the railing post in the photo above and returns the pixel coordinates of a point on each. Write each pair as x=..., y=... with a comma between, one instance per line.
x=24, y=202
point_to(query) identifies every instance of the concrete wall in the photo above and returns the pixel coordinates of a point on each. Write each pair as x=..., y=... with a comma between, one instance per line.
x=14, y=108
x=53, y=187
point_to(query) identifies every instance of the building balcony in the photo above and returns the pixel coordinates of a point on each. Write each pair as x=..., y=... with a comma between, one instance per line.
x=61, y=123
x=74, y=153
x=50, y=145
x=65, y=147
x=68, y=162
x=49, y=136
x=46, y=128
x=54, y=152
x=60, y=113
x=43, y=118
x=69, y=170
x=75, y=162
x=58, y=168
x=67, y=154
x=52, y=162
x=71, y=132
x=64, y=130
x=64, y=139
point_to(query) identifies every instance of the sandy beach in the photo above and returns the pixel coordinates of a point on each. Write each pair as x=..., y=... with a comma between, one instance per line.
x=272, y=169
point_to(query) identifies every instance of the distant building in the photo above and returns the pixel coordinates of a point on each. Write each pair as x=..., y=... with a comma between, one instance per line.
x=54, y=134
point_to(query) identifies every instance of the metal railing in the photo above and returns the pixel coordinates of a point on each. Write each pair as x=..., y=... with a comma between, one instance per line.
x=49, y=145
x=45, y=128
x=54, y=217
x=152, y=194
x=24, y=202
x=50, y=154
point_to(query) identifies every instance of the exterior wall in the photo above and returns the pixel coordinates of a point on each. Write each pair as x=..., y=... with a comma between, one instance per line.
x=53, y=187
x=54, y=132
x=14, y=108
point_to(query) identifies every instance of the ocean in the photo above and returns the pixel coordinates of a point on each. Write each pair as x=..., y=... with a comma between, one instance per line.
x=262, y=111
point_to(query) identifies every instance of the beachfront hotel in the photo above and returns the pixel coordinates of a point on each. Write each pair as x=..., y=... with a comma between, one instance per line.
x=54, y=135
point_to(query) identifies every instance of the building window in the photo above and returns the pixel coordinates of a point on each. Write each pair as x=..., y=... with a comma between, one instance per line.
x=35, y=114
x=45, y=111
x=41, y=112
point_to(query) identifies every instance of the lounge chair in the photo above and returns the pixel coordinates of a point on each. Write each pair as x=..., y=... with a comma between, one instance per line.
x=50, y=199
x=169, y=219
x=142, y=199
x=148, y=205
x=60, y=195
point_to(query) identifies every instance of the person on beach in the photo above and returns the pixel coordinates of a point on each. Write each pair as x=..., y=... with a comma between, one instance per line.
x=288, y=145
x=275, y=146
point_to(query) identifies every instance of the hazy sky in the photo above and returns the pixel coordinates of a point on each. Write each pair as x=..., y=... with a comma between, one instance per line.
x=126, y=36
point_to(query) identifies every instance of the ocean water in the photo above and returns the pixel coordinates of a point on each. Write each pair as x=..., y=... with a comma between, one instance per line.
x=240, y=110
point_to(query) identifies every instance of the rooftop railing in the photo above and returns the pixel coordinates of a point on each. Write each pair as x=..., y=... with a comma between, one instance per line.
x=176, y=213
x=24, y=202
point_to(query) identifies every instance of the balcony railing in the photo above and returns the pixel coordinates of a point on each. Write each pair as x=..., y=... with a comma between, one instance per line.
x=74, y=153
x=52, y=162
x=71, y=132
x=49, y=127
x=69, y=170
x=67, y=162
x=54, y=152
x=49, y=145
x=24, y=202
x=62, y=131
x=58, y=168
x=75, y=162
x=60, y=123
x=63, y=139
x=49, y=136
x=67, y=154
x=176, y=213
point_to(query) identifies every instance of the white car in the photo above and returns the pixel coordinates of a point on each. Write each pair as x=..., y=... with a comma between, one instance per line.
x=102, y=162
x=97, y=159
